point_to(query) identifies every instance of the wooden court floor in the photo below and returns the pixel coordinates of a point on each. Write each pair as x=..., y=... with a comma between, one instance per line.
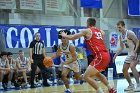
x=120, y=85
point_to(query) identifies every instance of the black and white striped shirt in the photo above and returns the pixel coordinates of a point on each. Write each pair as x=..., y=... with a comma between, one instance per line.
x=37, y=47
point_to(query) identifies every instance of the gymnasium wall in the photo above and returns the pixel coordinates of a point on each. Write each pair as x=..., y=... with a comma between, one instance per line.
x=112, y=12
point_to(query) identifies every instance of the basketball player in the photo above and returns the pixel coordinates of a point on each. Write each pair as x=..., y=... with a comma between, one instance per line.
x=71, y=60
x=5, y=69
x=128, y=40
x=94, y=39
x=23, y=66
x=12, y=62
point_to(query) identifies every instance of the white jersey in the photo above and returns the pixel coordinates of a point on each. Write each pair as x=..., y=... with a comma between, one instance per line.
x=66, y=51
x=129, y=44
x=23, y=62
x=12, y=64
x=3, y=64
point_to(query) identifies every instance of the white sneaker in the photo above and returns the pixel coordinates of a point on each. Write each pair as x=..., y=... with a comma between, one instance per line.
x=1, y=88
x=27, y=85
x=55, y=81
x=35, y=82
x=68, y=91
x=130, y=87
x=49, y=81
x=40, y=81
x=11, y=86
x=137, y=89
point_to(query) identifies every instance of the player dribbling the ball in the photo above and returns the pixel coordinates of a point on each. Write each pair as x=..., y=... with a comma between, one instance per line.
x=71, y=60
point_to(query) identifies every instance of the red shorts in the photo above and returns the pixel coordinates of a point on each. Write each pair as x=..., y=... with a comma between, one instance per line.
x=101, y=61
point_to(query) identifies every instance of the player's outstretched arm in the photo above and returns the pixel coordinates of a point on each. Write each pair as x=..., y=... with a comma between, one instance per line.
x=74, y=36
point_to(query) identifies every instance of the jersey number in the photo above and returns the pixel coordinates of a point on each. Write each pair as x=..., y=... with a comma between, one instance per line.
x=98, y=35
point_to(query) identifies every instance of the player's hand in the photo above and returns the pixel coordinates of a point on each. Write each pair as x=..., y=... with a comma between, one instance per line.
x=63, y=34
x=31, y=60
x=7, y=59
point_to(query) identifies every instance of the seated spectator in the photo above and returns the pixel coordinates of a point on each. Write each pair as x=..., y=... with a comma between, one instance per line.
x=5, y=70
x=13, y=67
x=23, y=66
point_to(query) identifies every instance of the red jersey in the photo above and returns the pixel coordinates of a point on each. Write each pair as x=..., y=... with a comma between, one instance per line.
x=96, y=43
x=98, y=49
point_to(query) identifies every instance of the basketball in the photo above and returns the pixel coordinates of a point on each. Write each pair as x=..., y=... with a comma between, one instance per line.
x=48, y=61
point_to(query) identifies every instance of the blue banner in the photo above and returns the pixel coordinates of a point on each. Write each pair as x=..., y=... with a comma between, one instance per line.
x=21, y=36
x=134, y=7
x=91, y=3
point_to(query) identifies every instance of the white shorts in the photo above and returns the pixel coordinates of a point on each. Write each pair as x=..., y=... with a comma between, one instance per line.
x=75, y=67
x=129, y=59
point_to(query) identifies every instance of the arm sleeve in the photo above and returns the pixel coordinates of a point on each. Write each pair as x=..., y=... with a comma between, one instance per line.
x=31, y=45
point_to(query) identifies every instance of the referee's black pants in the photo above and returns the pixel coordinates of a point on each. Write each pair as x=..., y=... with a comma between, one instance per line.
x=45, y=73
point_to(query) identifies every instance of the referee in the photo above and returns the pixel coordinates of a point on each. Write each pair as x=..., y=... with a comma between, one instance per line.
x=37, y=54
